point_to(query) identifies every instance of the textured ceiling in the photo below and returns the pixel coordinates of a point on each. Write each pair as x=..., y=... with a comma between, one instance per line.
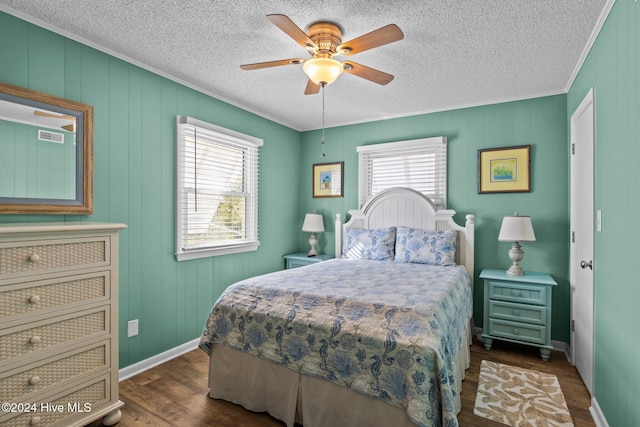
x=455, y=53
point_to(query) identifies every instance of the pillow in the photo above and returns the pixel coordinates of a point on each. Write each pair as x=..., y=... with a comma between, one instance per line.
x=376, y=244
x=426, y=247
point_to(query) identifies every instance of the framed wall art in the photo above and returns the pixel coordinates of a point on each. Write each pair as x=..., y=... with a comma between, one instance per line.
x=504, y=170
x=327, y=180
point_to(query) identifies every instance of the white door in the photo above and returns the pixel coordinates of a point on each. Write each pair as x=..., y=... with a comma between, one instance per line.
x=582, y=228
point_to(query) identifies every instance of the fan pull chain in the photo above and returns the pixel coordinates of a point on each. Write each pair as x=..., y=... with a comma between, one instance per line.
x=322, y=141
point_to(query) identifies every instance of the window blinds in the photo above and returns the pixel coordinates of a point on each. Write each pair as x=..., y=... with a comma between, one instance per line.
x=419, y=164
x=217, y=190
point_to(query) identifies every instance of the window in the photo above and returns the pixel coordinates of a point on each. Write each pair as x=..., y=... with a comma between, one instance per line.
x=216, y=190
x=420, y=164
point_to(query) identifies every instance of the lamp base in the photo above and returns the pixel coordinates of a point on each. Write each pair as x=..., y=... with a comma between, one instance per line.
x=515, y=270
x=515, y=254
x=313, y=241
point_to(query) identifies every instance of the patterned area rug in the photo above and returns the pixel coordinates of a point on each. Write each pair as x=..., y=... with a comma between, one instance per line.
x=520, y=397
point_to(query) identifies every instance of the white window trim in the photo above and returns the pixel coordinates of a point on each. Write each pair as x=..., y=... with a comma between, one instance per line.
x=225, y=135
x=363, y=181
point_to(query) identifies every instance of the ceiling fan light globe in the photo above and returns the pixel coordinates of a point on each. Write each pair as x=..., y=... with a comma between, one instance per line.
x=322, y=70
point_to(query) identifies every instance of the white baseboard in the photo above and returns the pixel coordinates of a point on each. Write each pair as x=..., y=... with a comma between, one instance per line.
x=158, y=359
x=596, y=414
x=563, y=347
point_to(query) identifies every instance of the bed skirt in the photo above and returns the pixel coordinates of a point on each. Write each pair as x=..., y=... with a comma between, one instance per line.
x=262, y=386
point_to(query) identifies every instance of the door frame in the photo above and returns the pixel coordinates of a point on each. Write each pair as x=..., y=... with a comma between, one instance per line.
x=589, y=99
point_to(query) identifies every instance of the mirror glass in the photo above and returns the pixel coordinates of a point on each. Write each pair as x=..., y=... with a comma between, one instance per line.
x=45, y=153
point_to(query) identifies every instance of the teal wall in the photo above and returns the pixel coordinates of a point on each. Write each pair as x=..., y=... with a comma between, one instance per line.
x=539, y=122
x=613, y=68
x=30, y=167
x=134, y=169
x=134, y=174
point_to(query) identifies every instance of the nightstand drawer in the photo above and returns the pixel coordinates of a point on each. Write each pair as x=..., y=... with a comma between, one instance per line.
x=518, y=331
x=517, y=312
x=295, y=263
x=301, y=259
x=526, y=294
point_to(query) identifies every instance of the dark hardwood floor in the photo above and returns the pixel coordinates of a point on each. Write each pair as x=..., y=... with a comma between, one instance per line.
x=175, y=393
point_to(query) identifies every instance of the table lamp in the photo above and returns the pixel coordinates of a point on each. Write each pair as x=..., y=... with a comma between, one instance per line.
x=516, y=228
x=313, y=223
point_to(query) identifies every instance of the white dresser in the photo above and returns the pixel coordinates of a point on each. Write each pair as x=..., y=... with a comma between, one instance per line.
x=59, y=324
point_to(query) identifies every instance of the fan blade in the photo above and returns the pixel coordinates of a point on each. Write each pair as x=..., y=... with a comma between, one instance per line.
x=311, y=88
x=365, y=72
x=268, y=64
x=69, y=128
x=385, y=35
x=292, y=30
x=54, y=115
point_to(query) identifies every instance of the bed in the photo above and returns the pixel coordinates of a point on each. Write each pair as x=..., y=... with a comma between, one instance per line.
x=379, y=336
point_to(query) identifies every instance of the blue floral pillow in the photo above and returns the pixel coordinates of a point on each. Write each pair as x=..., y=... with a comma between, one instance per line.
x=426, y=247
x=374, y=244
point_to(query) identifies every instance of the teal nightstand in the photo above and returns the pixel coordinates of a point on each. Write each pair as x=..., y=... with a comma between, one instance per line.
x=518, y=309
x=300, y=259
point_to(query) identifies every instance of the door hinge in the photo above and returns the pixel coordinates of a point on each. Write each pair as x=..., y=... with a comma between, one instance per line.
x=573, y=148
x=573, y=237
x=573, y=326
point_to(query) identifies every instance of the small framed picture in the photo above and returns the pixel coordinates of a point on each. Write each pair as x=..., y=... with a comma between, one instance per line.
x=327, y=180
x=504, y=170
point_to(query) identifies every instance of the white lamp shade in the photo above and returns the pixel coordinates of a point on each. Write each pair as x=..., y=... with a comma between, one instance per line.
x=322, y=70
x=516, y=229
x=313, y=223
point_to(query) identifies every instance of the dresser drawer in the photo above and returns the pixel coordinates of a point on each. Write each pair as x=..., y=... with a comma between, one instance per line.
x=51, y=294
x=55, y=332
x=73, y=405
x=17, y=385
x=26, y=258
x=518, y=312
x=518, y=331
x=506, y=291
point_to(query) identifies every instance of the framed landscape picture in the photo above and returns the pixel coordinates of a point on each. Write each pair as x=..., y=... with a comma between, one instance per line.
x=327, y=180
x=504, y=170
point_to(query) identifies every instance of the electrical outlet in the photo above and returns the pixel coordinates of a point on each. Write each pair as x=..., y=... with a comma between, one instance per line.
x=132, y=328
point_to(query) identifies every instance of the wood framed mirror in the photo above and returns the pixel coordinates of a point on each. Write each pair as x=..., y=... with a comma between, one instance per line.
x=46, y=153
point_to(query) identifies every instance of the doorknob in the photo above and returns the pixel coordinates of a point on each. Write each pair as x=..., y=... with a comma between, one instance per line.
x=585, y=264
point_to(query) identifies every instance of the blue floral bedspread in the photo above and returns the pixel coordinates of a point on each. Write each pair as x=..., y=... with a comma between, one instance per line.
x=386, y=329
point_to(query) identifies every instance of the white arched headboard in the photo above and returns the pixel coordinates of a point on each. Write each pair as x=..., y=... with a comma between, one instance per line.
x=409, y=208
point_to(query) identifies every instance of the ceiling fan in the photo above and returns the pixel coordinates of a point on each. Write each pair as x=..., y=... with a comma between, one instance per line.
x=323, y=42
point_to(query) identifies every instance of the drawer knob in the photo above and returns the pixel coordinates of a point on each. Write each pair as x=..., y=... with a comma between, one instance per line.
x=35, y=421
x=516, y=312
x=35, y=339
x=34, y=299
x=35, y=380
x=516, y=331
x=516, y=293
x=34, y=258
